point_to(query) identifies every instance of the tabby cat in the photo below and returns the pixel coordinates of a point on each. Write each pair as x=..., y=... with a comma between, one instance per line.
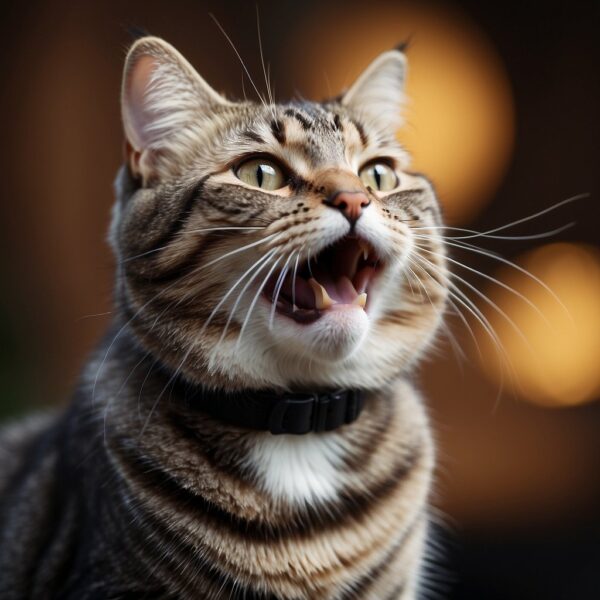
x=247, y=428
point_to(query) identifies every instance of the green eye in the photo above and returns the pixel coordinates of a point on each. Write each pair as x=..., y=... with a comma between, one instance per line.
x=261, y=173
x=379, y=176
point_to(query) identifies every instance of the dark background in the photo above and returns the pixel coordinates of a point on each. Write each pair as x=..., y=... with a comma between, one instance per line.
x=518, y=487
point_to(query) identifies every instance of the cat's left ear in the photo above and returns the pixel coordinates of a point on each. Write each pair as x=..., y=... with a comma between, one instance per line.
x=378, y=93
x=162, y=99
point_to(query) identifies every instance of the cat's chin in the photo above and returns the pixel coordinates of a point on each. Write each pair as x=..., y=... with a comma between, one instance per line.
x=335, y=335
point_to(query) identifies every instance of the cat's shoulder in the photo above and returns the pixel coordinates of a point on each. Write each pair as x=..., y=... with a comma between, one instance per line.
x=17, y=437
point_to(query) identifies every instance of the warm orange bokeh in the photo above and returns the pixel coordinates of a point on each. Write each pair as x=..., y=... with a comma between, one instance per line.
x=555, y=357
x=459, y=115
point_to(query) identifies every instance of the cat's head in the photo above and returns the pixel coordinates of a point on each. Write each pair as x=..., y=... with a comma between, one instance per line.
x=268, y=244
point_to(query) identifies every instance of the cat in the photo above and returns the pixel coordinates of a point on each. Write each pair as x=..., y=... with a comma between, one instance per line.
x=247, y=428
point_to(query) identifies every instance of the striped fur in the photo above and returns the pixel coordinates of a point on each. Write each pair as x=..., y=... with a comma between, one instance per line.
x=133, y=492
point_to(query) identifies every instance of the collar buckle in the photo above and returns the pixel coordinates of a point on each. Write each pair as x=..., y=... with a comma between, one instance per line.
x=312, y=412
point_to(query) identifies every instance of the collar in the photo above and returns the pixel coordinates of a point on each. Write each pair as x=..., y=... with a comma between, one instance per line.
x=291, y=413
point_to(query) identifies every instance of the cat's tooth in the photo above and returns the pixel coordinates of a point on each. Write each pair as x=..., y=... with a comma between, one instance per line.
x=361, y=300
x=322, y=299
x=365, y=248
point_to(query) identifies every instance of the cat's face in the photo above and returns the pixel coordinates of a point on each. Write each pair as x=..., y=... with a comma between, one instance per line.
x=273, y=244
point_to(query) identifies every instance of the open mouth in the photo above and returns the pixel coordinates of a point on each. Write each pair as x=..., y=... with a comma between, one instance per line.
x=337, y=278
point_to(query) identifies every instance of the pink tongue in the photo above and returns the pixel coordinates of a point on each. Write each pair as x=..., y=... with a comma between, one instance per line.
x=341, y=289
x=345, y=290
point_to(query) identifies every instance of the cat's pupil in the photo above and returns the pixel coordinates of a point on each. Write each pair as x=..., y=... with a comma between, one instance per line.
x=377, y=175
x=259, y=175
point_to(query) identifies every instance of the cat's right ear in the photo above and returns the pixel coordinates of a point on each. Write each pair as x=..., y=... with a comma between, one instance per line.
x=378, y=94
x=161, y=96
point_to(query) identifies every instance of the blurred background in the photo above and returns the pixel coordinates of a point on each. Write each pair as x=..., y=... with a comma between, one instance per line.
x=502, y=114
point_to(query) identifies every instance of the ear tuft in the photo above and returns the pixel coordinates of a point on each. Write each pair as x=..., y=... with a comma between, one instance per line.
x=162, y=97
x=404, y=45
x=378, y=94
x=136, y=32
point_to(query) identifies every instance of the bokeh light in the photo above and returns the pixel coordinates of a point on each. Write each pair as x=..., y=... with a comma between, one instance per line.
x=459, y=118
x=555, y=357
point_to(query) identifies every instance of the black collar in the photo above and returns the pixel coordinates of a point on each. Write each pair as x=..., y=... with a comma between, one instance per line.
x=293, y=413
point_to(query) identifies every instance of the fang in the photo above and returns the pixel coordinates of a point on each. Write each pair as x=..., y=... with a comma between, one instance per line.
x=361, y=300
x=322, y=299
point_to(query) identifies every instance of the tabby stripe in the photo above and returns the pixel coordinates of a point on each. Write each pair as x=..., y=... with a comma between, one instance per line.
x=236, y=194
x=351, y=505
x=253, y=136
x=404, y=318
x=361, y=132
x=396, y=592
x=156, y=561
x=278, y=130
x=355, y=461
x=175, y=554
x=188, y=262
x=191, y=561
x=406, y=196
x=177, y=224
x=304, y=122
x=370, y=577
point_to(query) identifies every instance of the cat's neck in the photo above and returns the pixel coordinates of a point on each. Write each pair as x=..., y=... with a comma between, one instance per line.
x=204, y=480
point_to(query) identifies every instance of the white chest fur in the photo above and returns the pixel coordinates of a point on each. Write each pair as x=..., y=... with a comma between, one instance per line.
x=299, y=469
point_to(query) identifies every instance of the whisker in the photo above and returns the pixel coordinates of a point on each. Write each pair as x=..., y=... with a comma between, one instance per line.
x=476, y=234
x=148, y=252
x=241, y=294
x=447, y=330
x=457, y=294
x=255, y=299
x=244, y=96
x=262, y=62
x=141, y=390
x=449, y=335
x=529, y=217
x=479, y=314
x=477, y=250
x=493, y=280
x=271, y=237
x=309, y=267
x=226, y=228
x=239, y=58
x=501, y=353
x=294, y=280
x=278, y=287
x=539, y=213
x=412, y=291
x=232, y=288
x=102, y=314
x=164, y=389
x=116, y=395
x=185, y=297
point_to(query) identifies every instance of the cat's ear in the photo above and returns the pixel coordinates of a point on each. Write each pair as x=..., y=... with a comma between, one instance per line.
x=378, y=93
x=161, y=97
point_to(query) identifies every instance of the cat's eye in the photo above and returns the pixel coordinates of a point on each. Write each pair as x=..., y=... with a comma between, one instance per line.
x=379, y=176
x=261, y=173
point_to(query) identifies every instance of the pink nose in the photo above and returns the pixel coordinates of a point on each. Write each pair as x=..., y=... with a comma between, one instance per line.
x=350, y=203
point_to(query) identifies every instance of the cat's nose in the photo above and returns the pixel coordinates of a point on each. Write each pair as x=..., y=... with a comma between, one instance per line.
x=350, y=203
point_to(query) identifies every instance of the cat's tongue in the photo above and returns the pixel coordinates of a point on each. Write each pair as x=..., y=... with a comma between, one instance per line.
x=329, y=289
